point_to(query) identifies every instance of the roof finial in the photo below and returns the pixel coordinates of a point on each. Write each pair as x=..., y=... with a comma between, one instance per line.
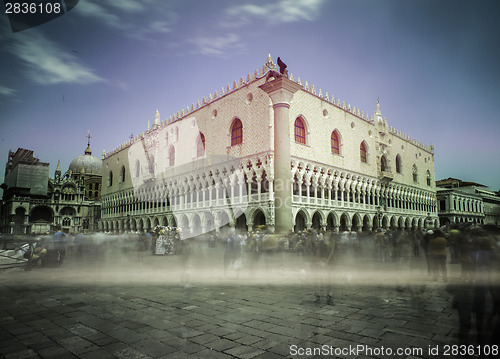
x=88, y=151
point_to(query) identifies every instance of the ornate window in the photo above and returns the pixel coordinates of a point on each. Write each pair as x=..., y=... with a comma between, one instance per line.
x=363, y=152
x=200, y=145
x=398, y=163
x=171, y=156
x=300, y=131
x=110, y=178
x=383, y=164
x=236, y=132
x=428, y=178
x=335, y=143
x=415, y=173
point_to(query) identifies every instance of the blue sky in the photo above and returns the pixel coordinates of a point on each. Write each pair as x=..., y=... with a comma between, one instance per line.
x=106, y=66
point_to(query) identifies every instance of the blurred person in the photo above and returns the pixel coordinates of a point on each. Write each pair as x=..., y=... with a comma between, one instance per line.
x=324, y=249
x=454, y=243
x=232, y=252
x=437, y=255
x=462, y=292
x=483, y=263
x=59, y=239
x=380, y=245
x=425, y=246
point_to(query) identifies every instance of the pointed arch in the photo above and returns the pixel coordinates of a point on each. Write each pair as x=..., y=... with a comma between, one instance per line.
x=335, y=142
x=300, y=130
x=398, y=163
x=383, y=163
x=236, y=132
x=414, y=171
x=171, y=156
x=200, y=145
x=363, y=151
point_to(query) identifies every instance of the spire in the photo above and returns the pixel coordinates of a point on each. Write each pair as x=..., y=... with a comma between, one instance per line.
x=88, y=151
x=58, y=168
x=157, y=120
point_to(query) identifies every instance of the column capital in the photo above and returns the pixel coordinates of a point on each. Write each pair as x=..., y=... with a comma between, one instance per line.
x=281, y=90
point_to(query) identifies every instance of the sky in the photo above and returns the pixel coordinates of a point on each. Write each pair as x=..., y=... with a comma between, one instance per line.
x=106, y=66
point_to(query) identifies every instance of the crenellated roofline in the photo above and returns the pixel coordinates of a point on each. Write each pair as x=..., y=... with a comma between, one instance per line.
x=248, y=80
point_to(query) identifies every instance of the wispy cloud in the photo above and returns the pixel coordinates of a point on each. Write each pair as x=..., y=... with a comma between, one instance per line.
x=7, y=91
x=217, y=46
x=281, y=11
x=129, y=15
x=48, y=63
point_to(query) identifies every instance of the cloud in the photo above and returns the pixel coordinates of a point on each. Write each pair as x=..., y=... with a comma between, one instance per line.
x=283, y=11
x=217, y=46
x=129, y=15
x=6, y=91
x=48, y=63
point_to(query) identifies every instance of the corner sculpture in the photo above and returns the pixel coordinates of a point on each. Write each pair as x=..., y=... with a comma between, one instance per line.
x=273, y=71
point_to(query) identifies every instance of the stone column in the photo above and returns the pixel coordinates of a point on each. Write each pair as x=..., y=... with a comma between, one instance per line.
x=281, y=91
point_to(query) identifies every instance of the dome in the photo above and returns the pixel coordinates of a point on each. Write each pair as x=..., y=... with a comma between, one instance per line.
x=90, y=164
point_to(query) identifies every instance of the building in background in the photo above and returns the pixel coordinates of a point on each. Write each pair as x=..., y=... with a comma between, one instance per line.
x=467, y=202
x=211, y=166
x=33, y=203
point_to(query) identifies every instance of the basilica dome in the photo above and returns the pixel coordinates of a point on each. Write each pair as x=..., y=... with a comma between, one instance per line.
x=90, y=164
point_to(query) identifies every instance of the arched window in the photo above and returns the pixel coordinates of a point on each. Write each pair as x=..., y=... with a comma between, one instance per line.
x=335, y=143
x=200, y=145
x=383, y=164
x=110, y=178
x=363, y=152
x=300, y=131
x=122, y=174
x=415, y=173
x=137, y=168
x=171, y=156
x=236, y=132
x=428, y=178
x=398, y=163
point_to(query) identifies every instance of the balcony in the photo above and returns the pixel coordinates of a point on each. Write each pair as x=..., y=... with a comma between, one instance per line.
x=385, y=176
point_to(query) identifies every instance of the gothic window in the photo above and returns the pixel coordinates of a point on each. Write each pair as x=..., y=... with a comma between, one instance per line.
x=96, y=186
x=300, y=131
x=335, y=143
x=200, y=145
x=122, y=174
x=236, y=132
x=137, y=168
x=415, y=173
x=398, y=163
x=428, y=178
x=363, y=152
x=171, y=156
x=383, y=164
x=66, y=221
x=110, y=178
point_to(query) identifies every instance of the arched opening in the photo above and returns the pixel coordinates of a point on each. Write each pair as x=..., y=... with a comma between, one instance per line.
x=344, y=223
x=300, y=222
x=197, y=230
x=259, y=219
x=19, y=216
x=316, y=221
x=330, y=222
x=366, y=223
x=241, y=223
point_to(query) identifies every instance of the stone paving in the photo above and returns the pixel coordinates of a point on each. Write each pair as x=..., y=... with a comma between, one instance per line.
x=166, y=307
